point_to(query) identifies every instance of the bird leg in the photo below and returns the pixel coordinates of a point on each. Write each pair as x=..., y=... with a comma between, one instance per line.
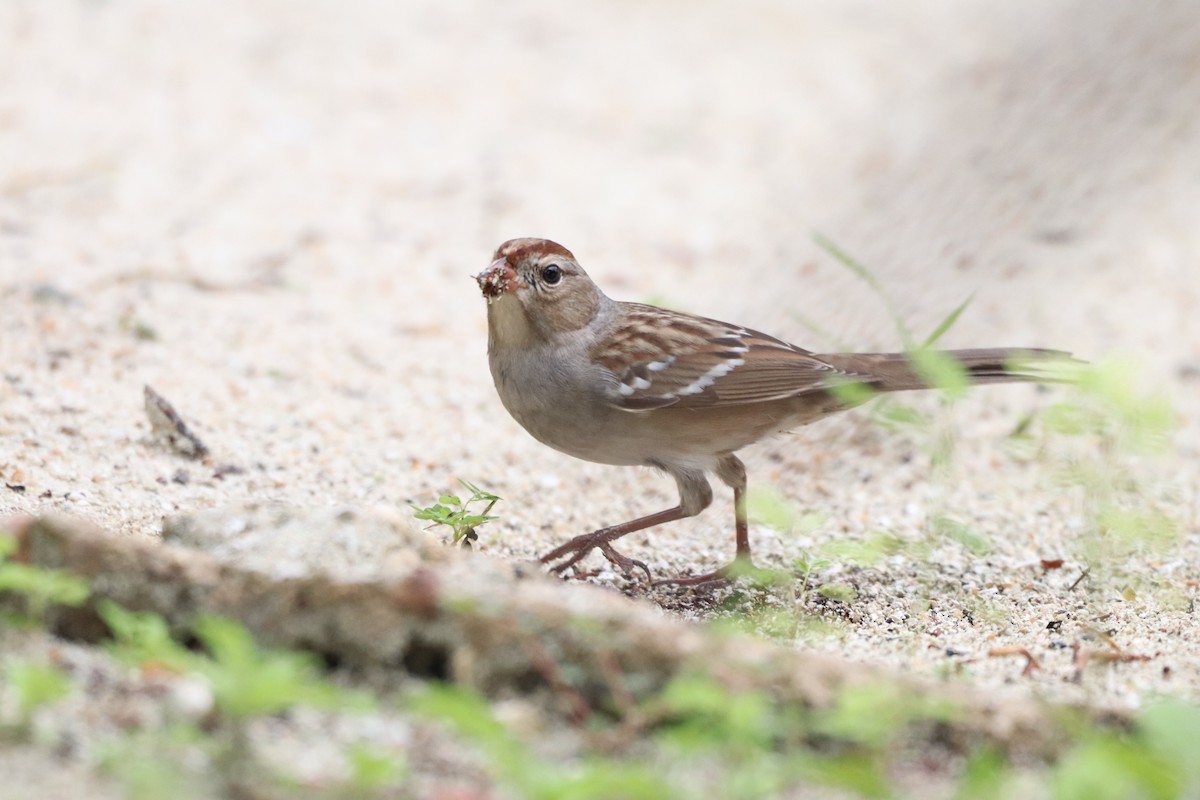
x=733, y=473
x=581, y=545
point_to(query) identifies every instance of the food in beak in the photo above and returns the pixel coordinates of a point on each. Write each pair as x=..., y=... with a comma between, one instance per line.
x=499, y=278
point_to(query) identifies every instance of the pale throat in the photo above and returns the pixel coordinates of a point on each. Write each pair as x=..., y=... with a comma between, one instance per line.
x=508, y=324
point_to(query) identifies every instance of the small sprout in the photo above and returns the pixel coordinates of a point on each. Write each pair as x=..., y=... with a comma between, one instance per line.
x=805, y=568
x=453, y=511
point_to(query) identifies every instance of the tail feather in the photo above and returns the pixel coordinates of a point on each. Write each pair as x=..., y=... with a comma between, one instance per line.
x=895, y=372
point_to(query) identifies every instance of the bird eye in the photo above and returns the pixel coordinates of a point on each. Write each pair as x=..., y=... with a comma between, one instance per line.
x=552, y=273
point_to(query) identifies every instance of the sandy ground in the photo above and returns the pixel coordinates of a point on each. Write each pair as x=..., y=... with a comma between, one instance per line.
x=270, y=212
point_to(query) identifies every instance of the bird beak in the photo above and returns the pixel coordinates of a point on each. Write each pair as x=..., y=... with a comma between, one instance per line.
x=499, y=278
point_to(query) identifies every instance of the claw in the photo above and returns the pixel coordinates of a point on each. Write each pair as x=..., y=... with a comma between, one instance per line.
x=580, y=546
x=626, y=563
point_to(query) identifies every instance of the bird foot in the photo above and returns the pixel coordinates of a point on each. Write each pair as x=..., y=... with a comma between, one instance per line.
x=574, y=551
x=717, y=579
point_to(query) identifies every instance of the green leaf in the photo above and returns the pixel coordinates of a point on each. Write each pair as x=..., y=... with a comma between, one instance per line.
x=143, y=638
x=42, y=586
x=248, y=681
x=807, y=567
x=478, y=494
x=947, y=323
x=432, y=513
x=36, y=685
x=471, y=520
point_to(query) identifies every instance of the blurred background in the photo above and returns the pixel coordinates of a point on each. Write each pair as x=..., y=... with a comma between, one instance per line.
x=688, y=151
x=270, y=210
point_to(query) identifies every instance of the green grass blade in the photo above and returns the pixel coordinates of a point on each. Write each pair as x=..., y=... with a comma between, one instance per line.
x=848, y=261
x=947, y=323
x=862, y=273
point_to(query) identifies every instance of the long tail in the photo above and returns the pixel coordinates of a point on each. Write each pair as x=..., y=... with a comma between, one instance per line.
x=895, y=372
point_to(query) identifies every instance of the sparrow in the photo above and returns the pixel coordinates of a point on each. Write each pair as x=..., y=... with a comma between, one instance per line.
x=631, y=384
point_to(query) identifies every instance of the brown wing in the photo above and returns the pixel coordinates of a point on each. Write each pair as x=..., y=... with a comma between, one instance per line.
x=663, y=358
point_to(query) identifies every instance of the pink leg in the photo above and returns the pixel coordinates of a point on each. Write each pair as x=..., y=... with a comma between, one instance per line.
x=733, y=473
x=583, y=544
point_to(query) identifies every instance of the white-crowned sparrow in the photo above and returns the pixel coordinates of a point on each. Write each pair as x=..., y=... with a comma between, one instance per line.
x=633, y=384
